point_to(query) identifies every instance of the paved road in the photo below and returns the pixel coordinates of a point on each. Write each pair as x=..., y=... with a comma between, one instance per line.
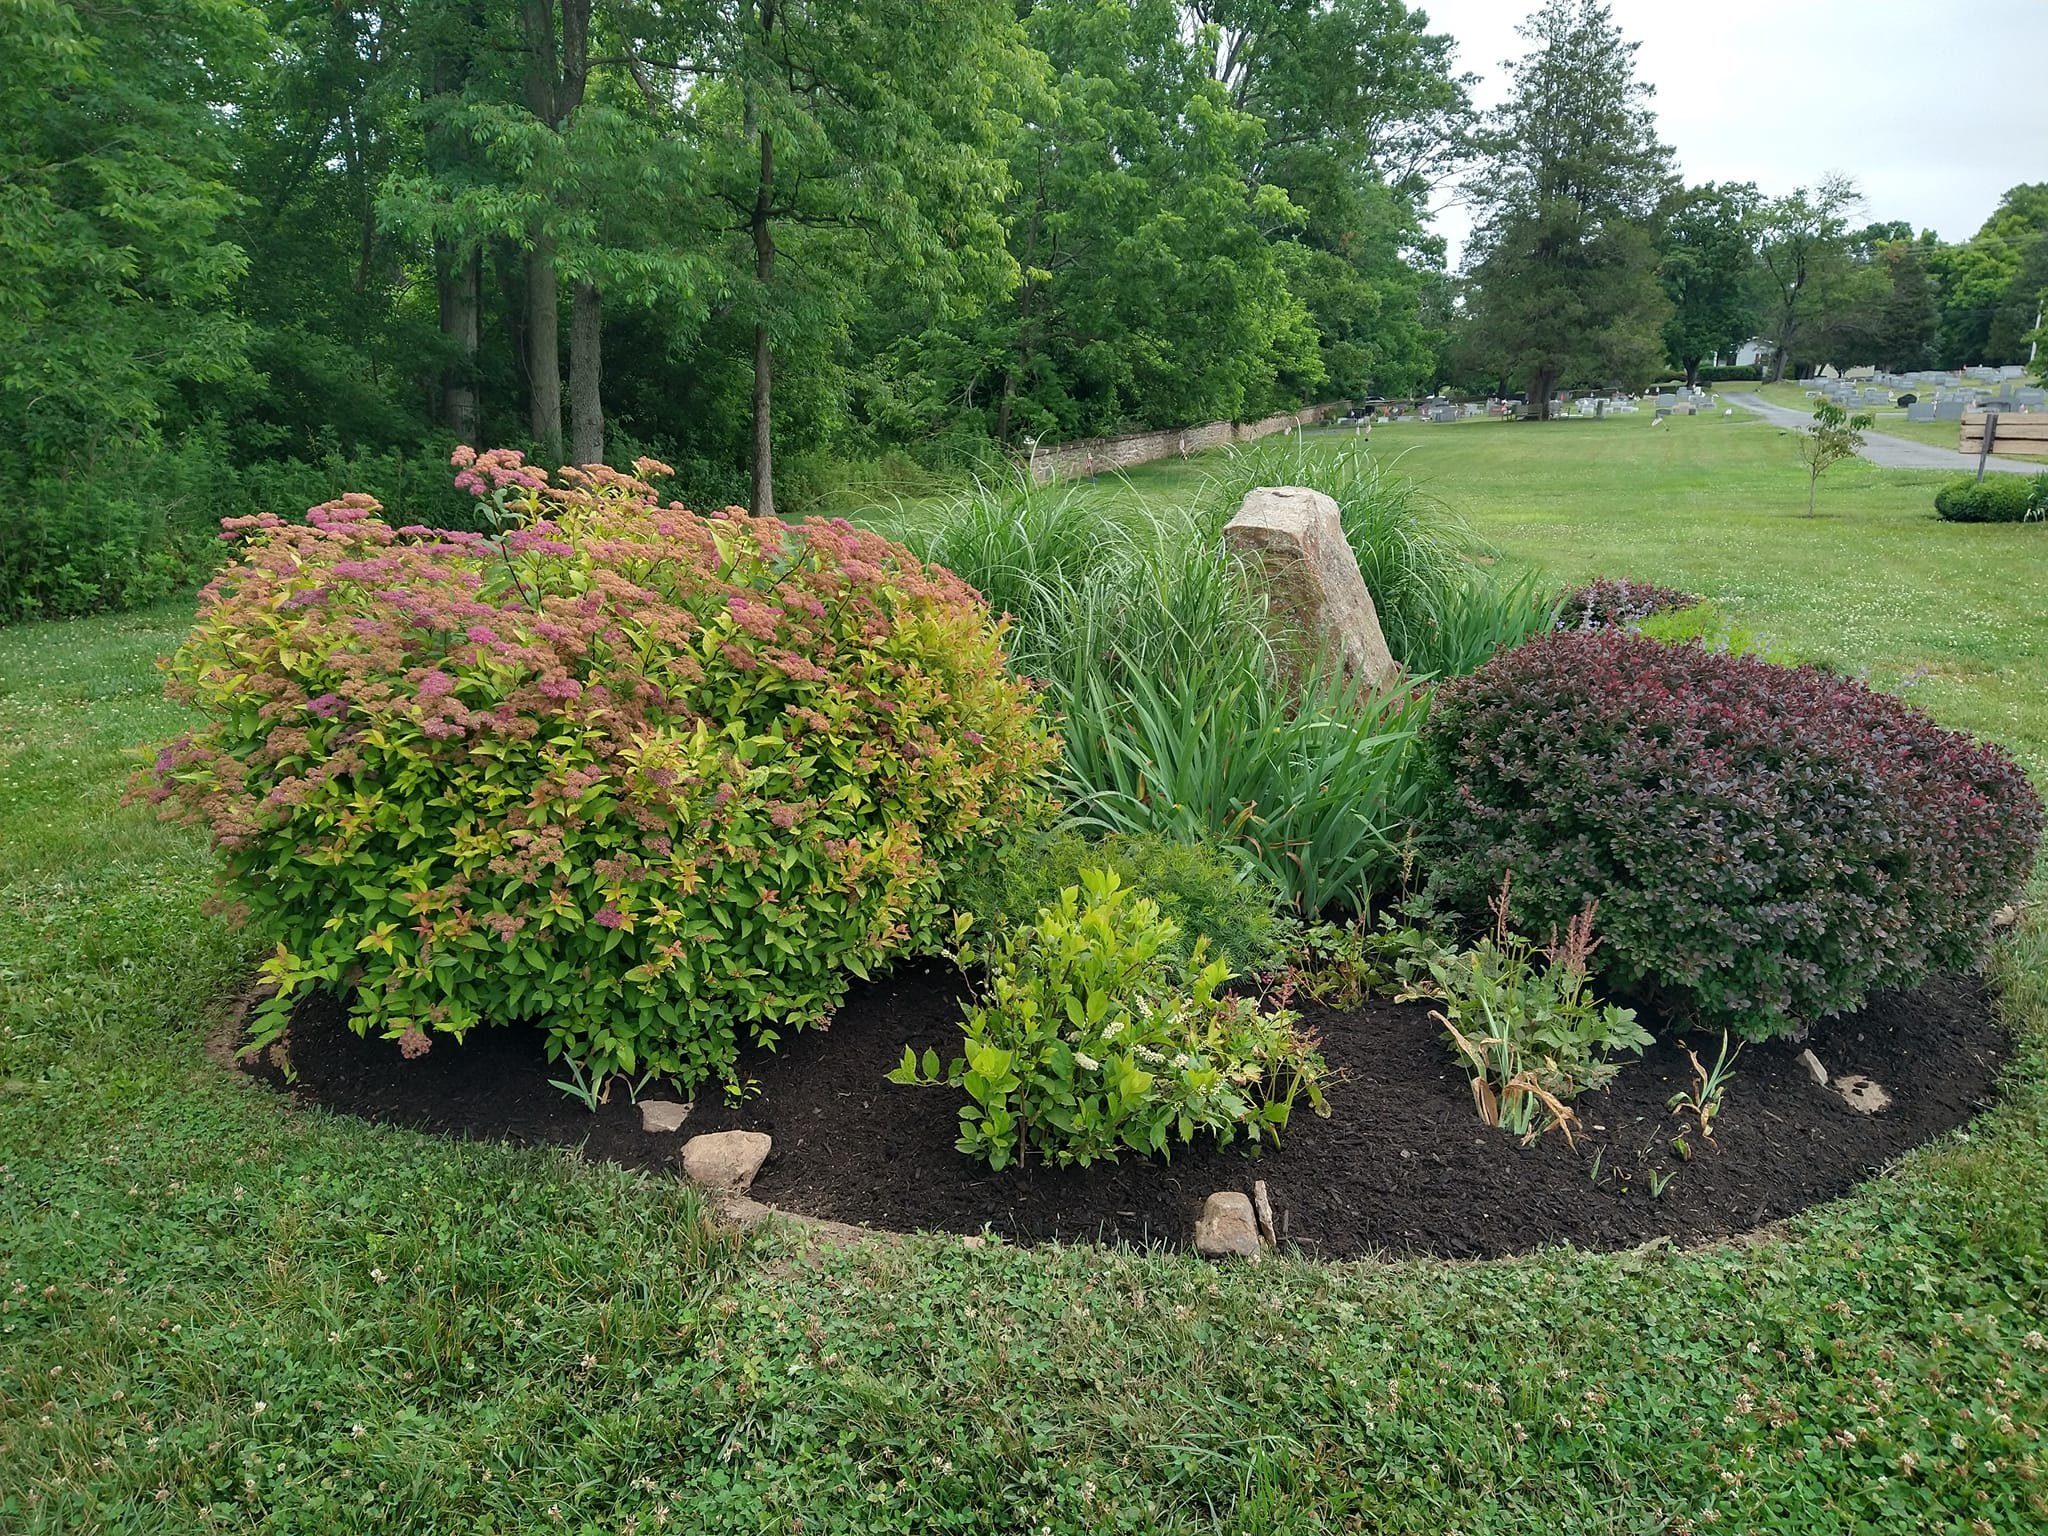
x=1888, y=452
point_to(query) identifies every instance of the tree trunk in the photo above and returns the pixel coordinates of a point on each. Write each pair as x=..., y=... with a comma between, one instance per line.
x=543, y=293
x=458, y=280
x=586, y=370
x=763, y=491
x=544, y=349
x=1692, y=372
x=1021, y=358
x=1540, y=387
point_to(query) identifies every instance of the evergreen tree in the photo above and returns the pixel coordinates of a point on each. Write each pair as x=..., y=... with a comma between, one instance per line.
x=1562, y=279
x=1907, y=318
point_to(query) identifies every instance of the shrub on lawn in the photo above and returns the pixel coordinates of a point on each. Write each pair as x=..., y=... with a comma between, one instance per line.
x=642, y=776
x=1995, y=499
x=1766, y=843
x=1617, y=603
x=1089, y=1042
x=1206, y=893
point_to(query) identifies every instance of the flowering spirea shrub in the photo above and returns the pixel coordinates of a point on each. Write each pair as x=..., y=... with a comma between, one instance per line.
x=644, y=777
x=1766, y=843
x=1616, y=603
x=1093, y=1039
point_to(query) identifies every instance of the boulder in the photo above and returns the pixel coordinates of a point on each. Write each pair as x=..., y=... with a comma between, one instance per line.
x=1227, y=1228
x=1294, y=538
x=725, y=1161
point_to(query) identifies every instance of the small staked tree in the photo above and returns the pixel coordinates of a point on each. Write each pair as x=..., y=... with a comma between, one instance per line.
x=1834, y=436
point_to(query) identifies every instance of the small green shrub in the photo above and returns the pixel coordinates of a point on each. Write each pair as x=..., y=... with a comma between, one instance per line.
x=1088, y=1044
x=1207, y=894
x=1729, y=374
x=1995, y=499
x=1533, y=1034
x=643, y=777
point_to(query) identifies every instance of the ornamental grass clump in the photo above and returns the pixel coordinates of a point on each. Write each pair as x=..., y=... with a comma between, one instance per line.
x=1767, y=844
x=645, y=778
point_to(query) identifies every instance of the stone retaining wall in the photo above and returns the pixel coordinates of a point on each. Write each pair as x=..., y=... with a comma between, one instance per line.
x=1098, y=455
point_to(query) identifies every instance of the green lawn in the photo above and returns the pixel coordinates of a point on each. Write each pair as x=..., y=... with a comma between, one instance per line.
x=218, y=1313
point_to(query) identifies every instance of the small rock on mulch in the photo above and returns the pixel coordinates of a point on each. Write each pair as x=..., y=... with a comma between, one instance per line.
x=661, y=1116
x=1862, y=1094
x=725, y=1161
x=1227, y=1228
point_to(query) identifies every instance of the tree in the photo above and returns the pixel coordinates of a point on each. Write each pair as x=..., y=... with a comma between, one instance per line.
x=1709, y=248
x=1835, y=435
x=849, y=143
x=1360, y=82
x=1801, y=259
x=1990, y=285
x=1363, y=119
x=1907, y=316
x=340, y=349
x=1562, y=280
x=116, y=269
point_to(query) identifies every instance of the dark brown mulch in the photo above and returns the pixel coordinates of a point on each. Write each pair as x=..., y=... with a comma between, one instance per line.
x=1401, y=1166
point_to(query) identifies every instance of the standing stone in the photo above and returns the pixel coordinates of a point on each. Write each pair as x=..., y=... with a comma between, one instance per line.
x=1227, y=1228
x=1262, y=1206
x=1296, y=539
x=725, y=1161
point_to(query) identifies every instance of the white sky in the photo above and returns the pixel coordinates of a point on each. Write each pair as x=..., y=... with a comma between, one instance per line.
x=1782, y=92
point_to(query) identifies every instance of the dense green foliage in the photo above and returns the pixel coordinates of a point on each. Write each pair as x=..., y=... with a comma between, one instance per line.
x=1209, y=896
x=1178, y=721
x=653, y=780
x=1766, y=844
x=792, y=247
x=757, y=239
x=1994, y=499
x=1092, y=1040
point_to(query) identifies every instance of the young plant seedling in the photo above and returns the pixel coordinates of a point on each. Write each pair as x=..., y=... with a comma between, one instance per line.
x=585, y=1088
x=1709, y=1090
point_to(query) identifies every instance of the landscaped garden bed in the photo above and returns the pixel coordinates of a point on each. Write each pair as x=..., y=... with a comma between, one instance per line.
x=1400, y=1166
